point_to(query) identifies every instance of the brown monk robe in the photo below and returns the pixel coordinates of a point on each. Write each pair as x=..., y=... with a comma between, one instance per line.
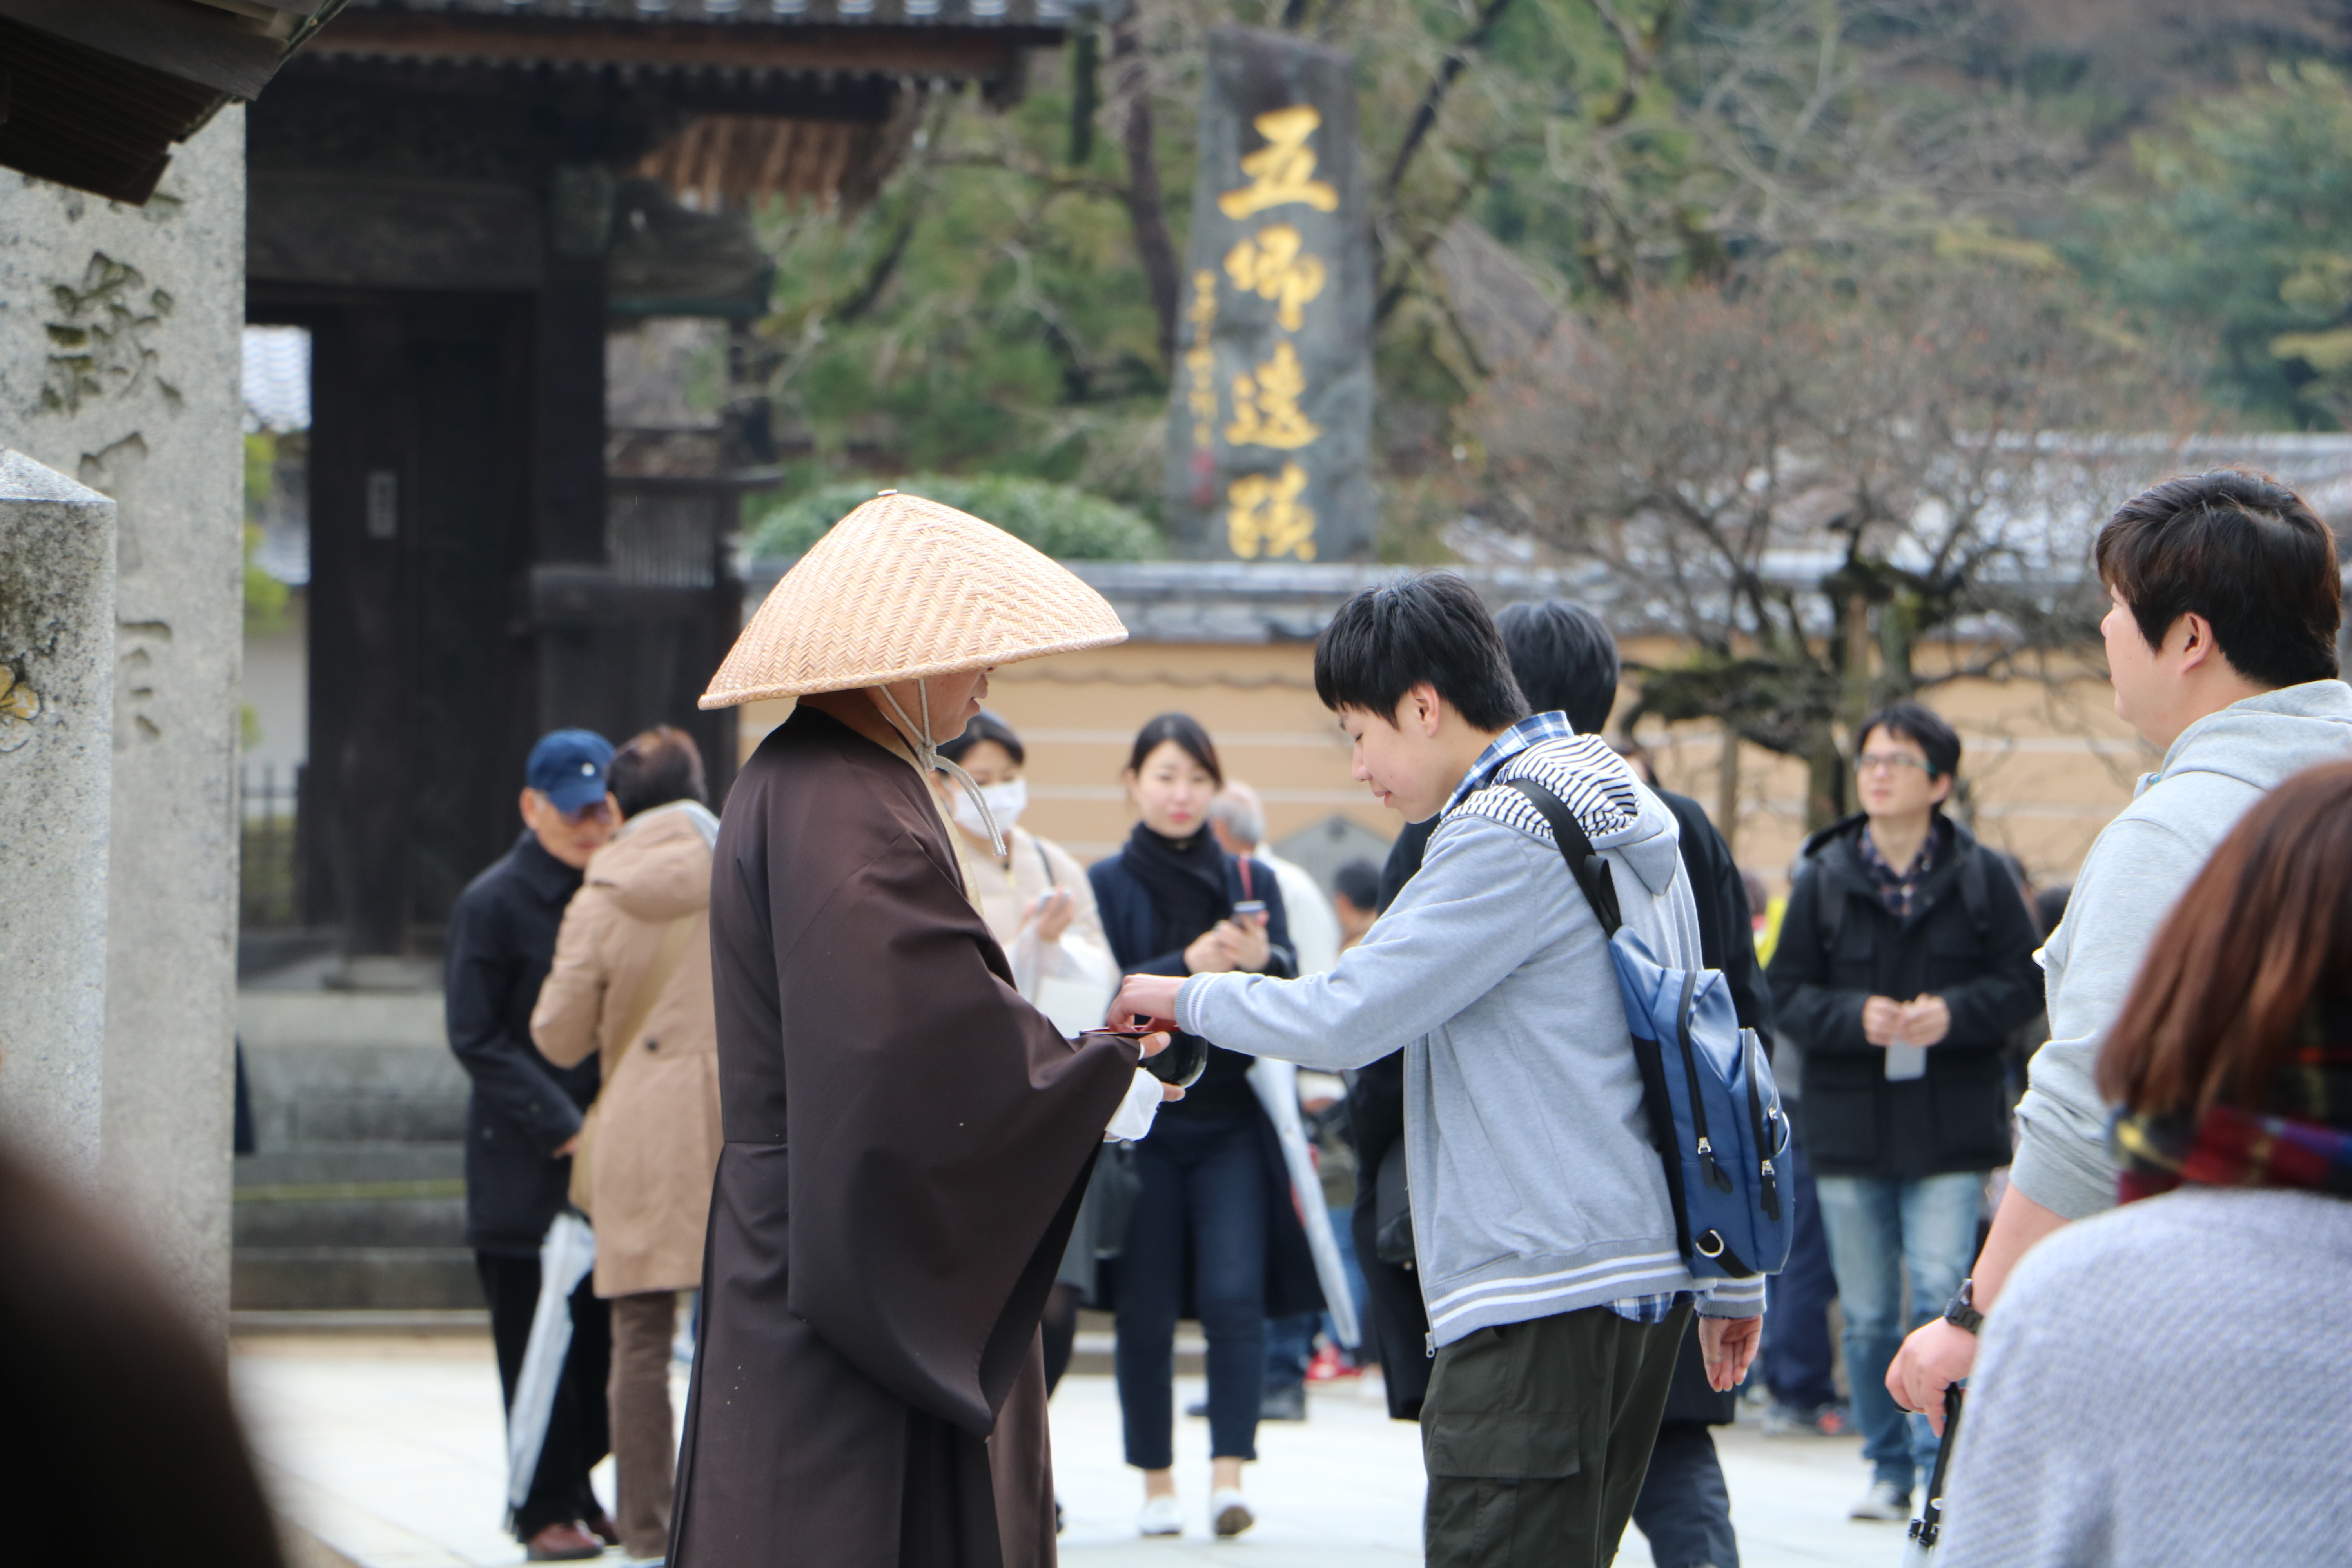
x=906, y=1144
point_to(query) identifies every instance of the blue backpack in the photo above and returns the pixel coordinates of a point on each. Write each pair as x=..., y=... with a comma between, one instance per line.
x=1714, y=1112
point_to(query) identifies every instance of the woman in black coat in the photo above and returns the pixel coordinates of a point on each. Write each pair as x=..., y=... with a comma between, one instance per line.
x=1174, y=902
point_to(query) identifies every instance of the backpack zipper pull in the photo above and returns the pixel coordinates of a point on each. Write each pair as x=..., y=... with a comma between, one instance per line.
x=1771, y=1193
x=1714, y=1176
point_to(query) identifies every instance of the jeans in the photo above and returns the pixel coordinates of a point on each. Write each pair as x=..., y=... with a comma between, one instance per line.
x=1289, y=1347
x=1204, y=1192
x=1684, y=1508
x=1795, y=1360
x=1882, y=1229
x=1290, y=1341
x=1343, y=1237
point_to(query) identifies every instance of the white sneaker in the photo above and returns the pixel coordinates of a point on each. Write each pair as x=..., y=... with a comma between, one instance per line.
x=1885, y=1501
x=1229, y=1512
x=1160, y=1516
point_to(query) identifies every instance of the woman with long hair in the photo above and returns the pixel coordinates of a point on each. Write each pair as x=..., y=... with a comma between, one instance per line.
x=2170, y=1382
x=1174, y=902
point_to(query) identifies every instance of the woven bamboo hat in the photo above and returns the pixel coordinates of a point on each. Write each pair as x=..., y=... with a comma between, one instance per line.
x=902, y=588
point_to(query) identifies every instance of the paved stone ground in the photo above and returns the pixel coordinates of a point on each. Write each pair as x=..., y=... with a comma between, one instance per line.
x=390, y=1452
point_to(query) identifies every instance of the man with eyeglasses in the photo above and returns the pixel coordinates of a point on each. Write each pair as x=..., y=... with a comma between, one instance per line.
x=522, y=1120
x=1904, y=961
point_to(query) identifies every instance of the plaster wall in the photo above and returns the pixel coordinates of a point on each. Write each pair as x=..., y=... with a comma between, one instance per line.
x=2047, y=764
x=119, y=366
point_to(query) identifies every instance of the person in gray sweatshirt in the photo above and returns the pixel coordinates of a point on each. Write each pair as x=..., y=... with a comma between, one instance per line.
x=1549, y=1257
x=2220, y=643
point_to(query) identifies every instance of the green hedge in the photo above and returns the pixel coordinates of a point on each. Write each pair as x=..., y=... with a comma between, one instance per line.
x=1065, y=522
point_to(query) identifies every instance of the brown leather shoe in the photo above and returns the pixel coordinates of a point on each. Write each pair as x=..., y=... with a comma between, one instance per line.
x=563, y=1543
x=602, y=1527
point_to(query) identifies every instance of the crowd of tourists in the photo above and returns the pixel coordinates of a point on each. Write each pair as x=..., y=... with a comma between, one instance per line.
x=1419, y=1137
x=888, y=1086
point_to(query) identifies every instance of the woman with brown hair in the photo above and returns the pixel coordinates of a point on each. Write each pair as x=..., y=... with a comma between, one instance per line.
x=2171, y=1382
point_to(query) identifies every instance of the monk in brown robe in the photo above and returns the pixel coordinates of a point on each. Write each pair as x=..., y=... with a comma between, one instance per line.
x=907, y=1139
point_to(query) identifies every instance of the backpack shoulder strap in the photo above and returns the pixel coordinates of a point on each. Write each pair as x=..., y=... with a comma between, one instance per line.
x=1975, y=895
x=1829, y=906
x=1584, y=862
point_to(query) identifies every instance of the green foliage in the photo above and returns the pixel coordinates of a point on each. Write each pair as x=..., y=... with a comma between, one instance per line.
x=989, y=312
x=2245, y=229
x=1066, y=523
x=264, y=596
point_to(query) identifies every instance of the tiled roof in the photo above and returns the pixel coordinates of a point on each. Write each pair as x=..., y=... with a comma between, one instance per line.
x=754, y=13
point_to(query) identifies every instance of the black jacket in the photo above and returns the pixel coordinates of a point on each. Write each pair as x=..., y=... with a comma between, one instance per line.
x=1727, y=928
x=1970, y=940
x=523, y=1108
x=1129, y=920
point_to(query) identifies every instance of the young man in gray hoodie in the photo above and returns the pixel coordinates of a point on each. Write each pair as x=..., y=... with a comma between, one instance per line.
x=2221, y=645
x=1549, y=1257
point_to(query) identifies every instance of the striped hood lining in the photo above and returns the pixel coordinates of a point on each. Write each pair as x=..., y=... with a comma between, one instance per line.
x=1589, y=776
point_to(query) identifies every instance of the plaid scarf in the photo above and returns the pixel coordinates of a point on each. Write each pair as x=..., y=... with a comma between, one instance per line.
x=2309, y=1145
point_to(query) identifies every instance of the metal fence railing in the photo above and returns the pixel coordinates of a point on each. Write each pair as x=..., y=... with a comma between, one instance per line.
x=267, y=894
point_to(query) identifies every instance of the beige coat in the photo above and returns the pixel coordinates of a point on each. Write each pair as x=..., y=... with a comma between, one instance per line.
x=657, y=1133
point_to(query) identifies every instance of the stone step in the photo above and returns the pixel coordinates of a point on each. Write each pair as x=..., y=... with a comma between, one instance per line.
x=377, y=1277
x=385, y=1217
x=346, y=1164
x=340, y=1068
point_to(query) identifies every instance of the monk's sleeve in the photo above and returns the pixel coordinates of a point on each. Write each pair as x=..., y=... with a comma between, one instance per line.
x=938, y=1127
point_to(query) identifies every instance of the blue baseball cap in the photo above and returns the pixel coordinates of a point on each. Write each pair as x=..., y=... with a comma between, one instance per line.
x=568, y=767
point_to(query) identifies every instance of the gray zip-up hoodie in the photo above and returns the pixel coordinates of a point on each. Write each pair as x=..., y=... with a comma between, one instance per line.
x=2135, y=872
x=1535, y=1188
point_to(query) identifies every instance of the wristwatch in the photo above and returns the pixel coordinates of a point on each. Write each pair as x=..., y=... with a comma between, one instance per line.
x=1962, y=1313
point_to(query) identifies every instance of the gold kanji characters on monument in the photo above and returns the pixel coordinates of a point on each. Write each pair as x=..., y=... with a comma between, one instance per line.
x=1270, y=264
x=1283, y=170
x=1264, y=516
x=1201, y=361
x=1266, y=404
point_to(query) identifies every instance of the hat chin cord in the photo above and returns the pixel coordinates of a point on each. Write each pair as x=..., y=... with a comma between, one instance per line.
x=928, y=758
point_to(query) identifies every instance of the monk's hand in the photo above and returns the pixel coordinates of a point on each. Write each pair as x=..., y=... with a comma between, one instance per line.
x=1145, y=996
x=1728, y=1346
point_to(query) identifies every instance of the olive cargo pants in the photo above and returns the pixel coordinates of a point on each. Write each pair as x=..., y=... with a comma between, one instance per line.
x=1536, y=1436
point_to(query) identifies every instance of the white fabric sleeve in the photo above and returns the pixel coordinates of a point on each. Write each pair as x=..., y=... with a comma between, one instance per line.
x=1136, y=1113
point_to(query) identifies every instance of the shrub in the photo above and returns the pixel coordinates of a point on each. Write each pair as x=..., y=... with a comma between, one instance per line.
x=1065, y=522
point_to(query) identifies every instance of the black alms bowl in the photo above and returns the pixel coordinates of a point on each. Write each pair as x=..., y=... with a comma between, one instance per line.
x=1182, y=1064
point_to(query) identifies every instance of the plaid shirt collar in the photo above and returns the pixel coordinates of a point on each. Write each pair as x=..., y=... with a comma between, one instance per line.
x=1896, y=889
x=1529, y=732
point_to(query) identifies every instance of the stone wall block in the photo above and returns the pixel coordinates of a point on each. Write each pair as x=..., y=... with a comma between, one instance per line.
x=119, y=336
x=57, y=706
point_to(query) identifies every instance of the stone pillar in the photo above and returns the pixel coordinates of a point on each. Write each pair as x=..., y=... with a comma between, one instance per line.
x=119, y=332
x=57, y=699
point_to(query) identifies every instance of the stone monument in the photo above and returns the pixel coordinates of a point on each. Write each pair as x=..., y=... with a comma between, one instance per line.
x=56, y=702
x=1270, y=419
x=118, y=364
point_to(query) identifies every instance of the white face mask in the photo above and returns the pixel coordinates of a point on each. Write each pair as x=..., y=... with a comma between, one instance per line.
x=1005, y=803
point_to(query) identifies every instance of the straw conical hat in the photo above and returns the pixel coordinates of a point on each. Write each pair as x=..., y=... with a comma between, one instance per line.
x=902, y=588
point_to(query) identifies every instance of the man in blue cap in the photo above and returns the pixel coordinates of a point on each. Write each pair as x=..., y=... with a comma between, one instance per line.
x=522, y=1120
